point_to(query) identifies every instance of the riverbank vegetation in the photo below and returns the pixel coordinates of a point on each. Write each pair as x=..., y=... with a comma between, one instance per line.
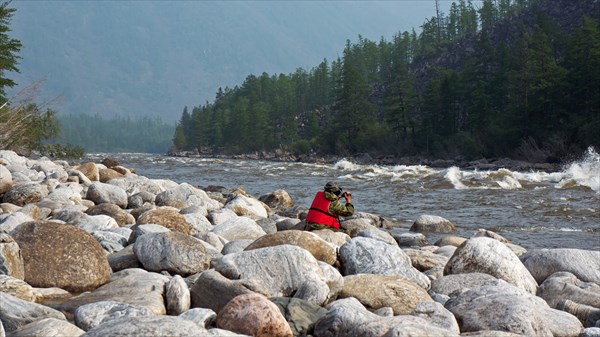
x=513, y=78
x=24, y=125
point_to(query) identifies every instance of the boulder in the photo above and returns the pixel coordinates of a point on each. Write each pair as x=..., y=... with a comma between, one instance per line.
x=101, y=193
x=219, y=216
x=186, y=195
x=106, y=174
x=501, y=306
x=9, y=222
x=5, y=179
x=432, y=224
x=117, y=213
x=236, y=246
x=167, y=218
x=347, y=317
x=171, y=251
x=449, y=284
x=136, y=287
x=25, y=193
x=90, y=170
x=144, y=326
x=484, y=233
x=584, y=264
x=123, y=259
x=15, y=312
x=201, y=316
x=213, y=291
x=177, y=296
x=589, y=316
x=490, y=256
x=376, y=233
x=446, y=251
x=253, y=314
x=279, y=199
x=450, y=240
x=135, y=184
x=355, y=225
x=60, y=255
x=277, y=271
x=48, y=327
x=110, y=241
x=424, y=260
x=11, y=260
x=377, y=291
x=437, y=315
x=267, y=224
x=562, y=286
x=286, y=224
x=199, y=223
x=91, y=315
x=370, y=256
x=337, y=239
x=319, y=248
x=139, y=230
x=246, y=206
x=17, y=287
x=410, y=239
x=239, y=228
x=140, y=199
x=301, y=315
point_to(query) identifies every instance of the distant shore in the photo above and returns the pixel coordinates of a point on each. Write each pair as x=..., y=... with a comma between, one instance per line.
x=366, y=159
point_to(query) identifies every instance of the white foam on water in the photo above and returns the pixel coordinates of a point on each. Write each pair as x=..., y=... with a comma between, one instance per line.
x=344, y=164
x=453, y=174
x=509, y=183
x=583, y=172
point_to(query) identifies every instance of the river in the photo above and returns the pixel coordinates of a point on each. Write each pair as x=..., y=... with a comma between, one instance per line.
x=531, y=209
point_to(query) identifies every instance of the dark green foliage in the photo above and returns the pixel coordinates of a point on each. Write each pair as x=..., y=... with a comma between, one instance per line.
x=122, y=134
x=9, y=49
x=503, y=80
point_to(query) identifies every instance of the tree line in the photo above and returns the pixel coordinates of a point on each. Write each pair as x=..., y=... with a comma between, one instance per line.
x=504, y=79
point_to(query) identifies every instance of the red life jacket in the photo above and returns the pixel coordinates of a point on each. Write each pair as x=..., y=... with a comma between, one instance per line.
x=319, y=212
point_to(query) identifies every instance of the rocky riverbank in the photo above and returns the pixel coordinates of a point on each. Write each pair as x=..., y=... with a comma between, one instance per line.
x=551, y=165
x=97, y=250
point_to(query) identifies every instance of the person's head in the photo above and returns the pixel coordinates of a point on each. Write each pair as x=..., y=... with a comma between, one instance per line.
x=333, y=188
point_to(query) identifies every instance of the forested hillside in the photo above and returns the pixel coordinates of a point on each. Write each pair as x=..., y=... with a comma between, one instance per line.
x=512, y=78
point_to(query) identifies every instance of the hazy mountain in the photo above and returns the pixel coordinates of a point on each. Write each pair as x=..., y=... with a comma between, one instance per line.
x=153, y=58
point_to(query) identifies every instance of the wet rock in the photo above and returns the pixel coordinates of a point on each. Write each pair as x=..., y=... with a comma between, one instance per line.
x=63, y=256
x=277, y=271
x=91, y=315
x=144, y=326
x=377, y=291
x=177, y=296
x=318, y=247
x=487, y=255
x=584, y=264
x=167, y=218
x=119, y=215
x=369, y=256
x=255, y=315
x=15, y=312
x=301, y=315
x=171, y=251
x=521, y=312
x=25, y=193
x=101, y=193
x=247, y=206
x=239, y=228
x=432, y=224
x=11, y=260
x=48, y=327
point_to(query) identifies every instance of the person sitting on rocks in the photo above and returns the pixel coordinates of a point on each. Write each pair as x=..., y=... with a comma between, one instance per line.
x=326, y=209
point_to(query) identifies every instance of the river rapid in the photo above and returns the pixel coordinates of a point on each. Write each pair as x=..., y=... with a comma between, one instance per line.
x=531, y=209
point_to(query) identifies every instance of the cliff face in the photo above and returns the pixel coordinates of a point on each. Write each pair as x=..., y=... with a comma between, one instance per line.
x=566, y=15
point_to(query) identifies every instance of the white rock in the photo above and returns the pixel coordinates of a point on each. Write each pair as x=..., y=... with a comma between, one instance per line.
x=243, y=205
x=239, y=228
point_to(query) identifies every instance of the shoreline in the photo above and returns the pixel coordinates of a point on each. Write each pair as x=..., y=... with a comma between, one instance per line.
x=366, y=159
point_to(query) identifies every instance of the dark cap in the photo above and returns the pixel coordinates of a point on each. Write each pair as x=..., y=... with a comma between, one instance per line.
x=333, y=188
